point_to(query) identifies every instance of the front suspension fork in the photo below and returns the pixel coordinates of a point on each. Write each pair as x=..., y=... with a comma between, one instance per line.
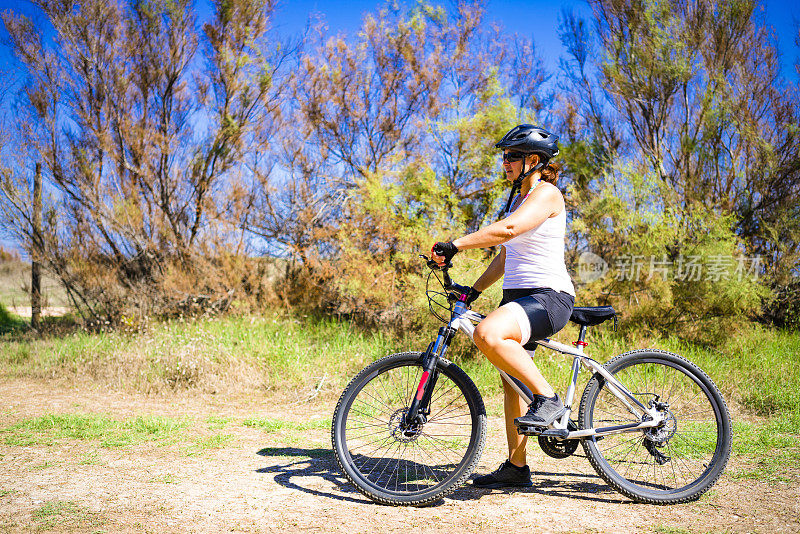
x=420, y=405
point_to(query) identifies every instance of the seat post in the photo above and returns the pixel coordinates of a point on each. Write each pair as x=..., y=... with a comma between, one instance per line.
x=582, y=333
x=581, y=338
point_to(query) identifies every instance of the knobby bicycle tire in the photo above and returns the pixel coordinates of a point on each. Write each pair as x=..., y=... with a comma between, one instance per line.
x=412, y=468
x=669, y=465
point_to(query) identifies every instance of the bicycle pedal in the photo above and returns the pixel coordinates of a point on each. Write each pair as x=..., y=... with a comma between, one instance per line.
x=530, y=430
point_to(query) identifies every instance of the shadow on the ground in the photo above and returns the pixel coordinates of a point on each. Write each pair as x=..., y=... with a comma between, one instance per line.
x=303, y=466
x=551, y=484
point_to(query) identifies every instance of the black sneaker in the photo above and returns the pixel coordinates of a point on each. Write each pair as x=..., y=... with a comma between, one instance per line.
x=507, y=475
x=541, y=412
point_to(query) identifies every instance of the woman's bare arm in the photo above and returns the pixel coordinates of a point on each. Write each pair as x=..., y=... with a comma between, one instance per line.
x=492, y=273
x=543, y=202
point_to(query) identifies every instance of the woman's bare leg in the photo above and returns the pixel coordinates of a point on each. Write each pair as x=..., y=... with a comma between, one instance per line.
x=514, y=407
x=498, y=337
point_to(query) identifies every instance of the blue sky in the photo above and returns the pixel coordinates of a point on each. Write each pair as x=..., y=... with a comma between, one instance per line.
x=531, y=18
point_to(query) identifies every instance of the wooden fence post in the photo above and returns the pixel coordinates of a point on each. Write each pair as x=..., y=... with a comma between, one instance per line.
x=36, y=280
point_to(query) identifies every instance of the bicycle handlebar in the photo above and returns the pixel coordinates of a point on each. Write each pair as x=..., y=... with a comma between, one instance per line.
x=432, y=265
x=453, y=292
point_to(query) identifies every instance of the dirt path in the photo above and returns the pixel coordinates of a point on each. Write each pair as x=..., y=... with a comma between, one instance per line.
x=260, y=480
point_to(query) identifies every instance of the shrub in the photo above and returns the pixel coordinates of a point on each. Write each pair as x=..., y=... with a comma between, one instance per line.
x=671, y=268
x=9, y=322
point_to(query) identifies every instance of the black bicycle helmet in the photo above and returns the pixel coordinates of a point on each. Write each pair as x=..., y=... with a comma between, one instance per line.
x=530, y=139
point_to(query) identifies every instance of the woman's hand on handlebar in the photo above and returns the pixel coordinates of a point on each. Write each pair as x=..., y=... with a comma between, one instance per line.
x=468, y=291
x=443, y=252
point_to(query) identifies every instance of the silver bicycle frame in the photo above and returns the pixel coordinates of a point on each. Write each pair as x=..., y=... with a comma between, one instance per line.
x=464, y=319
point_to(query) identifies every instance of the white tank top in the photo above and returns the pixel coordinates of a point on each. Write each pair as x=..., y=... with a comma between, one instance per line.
x=536, y=258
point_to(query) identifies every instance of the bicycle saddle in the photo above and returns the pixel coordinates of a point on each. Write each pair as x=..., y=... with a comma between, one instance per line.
x=593, y=315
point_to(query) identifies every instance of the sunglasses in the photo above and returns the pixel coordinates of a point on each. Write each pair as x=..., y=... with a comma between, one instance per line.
x=513, y=156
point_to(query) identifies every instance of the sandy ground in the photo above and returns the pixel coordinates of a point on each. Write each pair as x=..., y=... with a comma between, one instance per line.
x=260, y=481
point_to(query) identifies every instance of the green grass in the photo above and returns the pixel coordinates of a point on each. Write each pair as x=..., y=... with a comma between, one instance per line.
x=216, y=441
x=308, y=357
x=10, y=322
x=44, y=465
x=217, y=422
x=49, y=429
x=91, y=458
x=205, y=443
x=271, y=352
x=274, y=425
x=671, y=530
x=62, y=514
x=772, y=448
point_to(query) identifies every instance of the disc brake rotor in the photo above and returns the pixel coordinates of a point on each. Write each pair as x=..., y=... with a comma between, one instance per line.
x=401, y=431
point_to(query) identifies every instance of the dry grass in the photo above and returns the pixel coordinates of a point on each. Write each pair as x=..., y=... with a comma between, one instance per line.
x=15, y=287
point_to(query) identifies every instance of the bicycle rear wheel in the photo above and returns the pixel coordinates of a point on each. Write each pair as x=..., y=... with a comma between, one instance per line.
x=675, y=462
x=403, y=466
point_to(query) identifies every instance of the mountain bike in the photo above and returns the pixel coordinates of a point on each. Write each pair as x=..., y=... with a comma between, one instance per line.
x=410, y=428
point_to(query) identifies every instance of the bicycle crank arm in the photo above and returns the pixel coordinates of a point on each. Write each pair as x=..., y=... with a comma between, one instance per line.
x=558, y=433
x=617, y=429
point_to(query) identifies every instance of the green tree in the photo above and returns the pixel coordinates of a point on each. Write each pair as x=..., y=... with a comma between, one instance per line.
x=687, y=95
x=393, y=147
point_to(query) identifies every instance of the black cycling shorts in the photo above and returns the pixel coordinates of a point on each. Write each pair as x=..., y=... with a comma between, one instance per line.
x=540, y=312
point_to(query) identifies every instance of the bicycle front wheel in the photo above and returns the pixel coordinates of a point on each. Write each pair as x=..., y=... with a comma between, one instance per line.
x=675, y=462
x=392, y=463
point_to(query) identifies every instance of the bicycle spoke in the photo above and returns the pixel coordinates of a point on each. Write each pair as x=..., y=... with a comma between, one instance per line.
x=444, y=408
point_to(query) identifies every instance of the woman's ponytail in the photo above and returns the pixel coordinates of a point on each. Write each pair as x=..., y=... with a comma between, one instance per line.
x=550, y=172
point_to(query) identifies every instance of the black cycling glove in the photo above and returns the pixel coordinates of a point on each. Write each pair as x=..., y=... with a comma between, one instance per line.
x=448, y=250
x=472, y=296
x=470, y=292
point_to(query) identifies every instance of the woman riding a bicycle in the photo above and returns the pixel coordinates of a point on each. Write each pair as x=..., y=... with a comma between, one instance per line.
x=538, y=294
x=410, y=427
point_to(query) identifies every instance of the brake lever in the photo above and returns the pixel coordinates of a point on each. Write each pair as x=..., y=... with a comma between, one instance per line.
x=448, y=282
x=435, y=266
